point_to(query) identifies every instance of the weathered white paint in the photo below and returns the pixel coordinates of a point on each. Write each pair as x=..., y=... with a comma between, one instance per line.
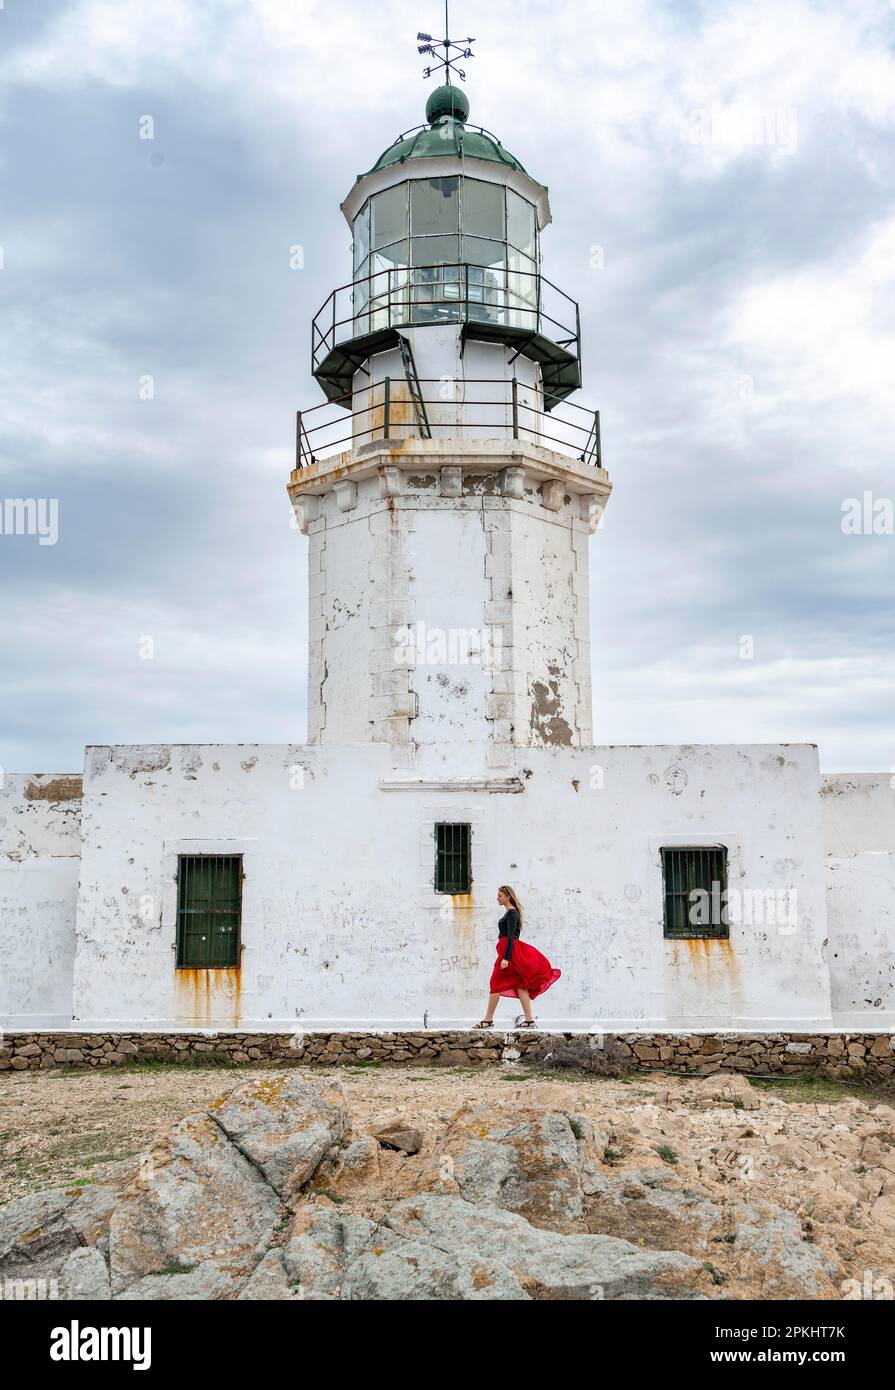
x=39, y=865
x=449, y=599
x=444, y=166
x=467, y=389
x=859, y=831
x=341, y=923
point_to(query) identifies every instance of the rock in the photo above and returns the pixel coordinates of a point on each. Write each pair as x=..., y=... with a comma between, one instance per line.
x=400, y=1136
x=480, y=1252
x=284, y=1126
x=883, y=1211
x=452, y=1057
x=207, y=1281
x=433, y=1247
x=34, y=1234
x=270, y=1282
x=411, y=1270
x=90, y=1214
x=772, y=1253
x=85, y=1275
x=322, y=1245
x=524, y=1160
x=197, y=1200
x=360, y=1164
x=651, y=1205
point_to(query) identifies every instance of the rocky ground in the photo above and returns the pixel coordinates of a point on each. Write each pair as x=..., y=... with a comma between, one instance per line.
x=371, y=1183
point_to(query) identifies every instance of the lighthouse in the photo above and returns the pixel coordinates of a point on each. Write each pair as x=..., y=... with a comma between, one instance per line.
x=448, y=479
x=449, y=483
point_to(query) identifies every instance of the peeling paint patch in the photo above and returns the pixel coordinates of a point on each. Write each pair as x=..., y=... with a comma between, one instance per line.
x=54, y=789
x=481, y=484
x=145, y=758
x=547, y=722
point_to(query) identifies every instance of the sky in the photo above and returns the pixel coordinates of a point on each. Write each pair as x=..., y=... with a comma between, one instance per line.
x=722, y=186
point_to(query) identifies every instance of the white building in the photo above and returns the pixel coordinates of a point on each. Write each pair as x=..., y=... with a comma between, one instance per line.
x=449, y=490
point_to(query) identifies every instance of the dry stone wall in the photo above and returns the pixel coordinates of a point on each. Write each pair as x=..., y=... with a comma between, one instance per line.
x=836, y=1054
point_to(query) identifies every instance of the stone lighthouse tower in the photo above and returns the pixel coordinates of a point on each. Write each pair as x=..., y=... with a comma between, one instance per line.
x=448, y=485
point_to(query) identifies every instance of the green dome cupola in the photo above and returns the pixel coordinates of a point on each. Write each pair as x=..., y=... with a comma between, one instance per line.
x=447, y=101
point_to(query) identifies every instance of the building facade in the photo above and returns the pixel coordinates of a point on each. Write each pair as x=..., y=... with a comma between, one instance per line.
x=449, y=490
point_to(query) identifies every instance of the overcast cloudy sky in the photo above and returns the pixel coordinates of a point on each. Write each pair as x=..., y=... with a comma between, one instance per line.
x=723, y=194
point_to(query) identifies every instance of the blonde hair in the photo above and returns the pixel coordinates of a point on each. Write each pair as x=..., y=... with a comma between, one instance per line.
x=514, y=902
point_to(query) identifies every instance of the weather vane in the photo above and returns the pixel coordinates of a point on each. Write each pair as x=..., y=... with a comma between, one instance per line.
x=453, y=50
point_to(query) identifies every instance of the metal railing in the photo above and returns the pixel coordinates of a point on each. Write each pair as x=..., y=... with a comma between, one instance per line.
x=393, y=412
x=415, y=129
x=453, y=292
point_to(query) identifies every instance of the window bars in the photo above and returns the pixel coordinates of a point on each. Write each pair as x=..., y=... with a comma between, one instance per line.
x=209, y=911
x=453, y=866
x=695, y=889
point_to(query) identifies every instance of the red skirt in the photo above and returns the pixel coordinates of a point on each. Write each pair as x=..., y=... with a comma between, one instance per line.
x=526, y=969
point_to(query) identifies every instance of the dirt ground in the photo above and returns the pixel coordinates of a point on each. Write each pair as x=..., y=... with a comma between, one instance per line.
x=822, y=1150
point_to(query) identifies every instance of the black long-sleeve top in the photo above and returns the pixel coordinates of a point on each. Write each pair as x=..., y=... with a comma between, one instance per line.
x=508, y=926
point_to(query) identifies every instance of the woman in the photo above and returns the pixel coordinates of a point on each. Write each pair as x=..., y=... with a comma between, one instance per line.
x=520, y=971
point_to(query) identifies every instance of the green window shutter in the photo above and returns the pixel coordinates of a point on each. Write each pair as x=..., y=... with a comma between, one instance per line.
x=209, y=911
x=695, y=889
x=453, y=861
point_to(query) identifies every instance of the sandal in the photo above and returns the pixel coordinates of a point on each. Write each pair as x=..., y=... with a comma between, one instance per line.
x=484, y=1023
x=528, y=1023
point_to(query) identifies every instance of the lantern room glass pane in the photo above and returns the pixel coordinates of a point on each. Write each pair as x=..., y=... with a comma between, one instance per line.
x=521, y=230
x=522, y=291
x=436, y=291
x=434, y=206
x=389, y=216
x=361, y=237
x=388, y=286
x=435, y=250
x=483, y=209
x=478, y=251
x=389, y=256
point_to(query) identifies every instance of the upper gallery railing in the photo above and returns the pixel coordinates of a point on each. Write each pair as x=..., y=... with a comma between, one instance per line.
x=458, y=292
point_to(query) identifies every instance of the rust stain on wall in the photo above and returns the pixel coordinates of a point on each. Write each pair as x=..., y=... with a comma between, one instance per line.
x=204, y=996
x=713, y=964
x=463, y=920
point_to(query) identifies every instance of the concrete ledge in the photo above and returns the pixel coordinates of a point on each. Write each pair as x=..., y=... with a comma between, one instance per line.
x=839, y=1055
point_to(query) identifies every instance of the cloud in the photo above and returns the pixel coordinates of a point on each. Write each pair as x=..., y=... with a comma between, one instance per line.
x=731, y=161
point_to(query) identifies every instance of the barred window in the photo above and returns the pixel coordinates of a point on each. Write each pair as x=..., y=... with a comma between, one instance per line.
x=209, y=910
x=695, y=885
x=453, y=863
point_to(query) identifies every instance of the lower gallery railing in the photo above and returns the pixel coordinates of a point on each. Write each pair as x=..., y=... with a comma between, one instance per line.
x=485, y=408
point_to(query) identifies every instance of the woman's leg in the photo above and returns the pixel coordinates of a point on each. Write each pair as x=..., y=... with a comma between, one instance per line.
x=525, y=1001
x=492, y=1005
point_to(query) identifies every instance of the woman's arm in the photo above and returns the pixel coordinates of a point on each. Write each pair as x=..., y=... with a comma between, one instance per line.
x=512, y=931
